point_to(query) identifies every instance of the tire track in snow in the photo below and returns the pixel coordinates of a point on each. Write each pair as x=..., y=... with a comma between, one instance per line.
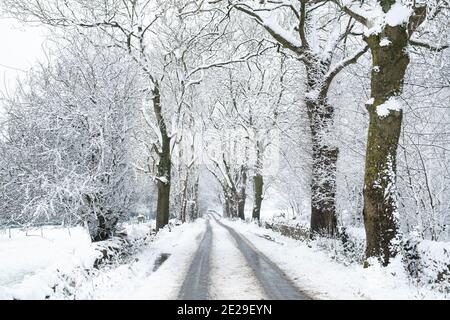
x=273, y=280
x=196, y=283
x=231, y=277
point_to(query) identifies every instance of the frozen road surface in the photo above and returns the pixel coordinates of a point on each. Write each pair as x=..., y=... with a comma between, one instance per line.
x=227, y=266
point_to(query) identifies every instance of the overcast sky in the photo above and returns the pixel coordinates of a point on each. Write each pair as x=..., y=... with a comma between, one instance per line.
x=21, y=46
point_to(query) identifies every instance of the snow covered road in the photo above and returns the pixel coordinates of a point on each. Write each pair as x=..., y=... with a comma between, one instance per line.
x=247, y=273
x=195, y=285
x=211, y=258
x=205, y=259
x=275, y=283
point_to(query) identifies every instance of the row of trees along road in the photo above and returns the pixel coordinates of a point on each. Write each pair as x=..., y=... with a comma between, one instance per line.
x=203, y=67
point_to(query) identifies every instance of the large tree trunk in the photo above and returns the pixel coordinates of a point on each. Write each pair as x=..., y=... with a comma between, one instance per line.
x=324, y=156
x=380, y=208
x=164, y=165
x=323, y=190
x=163, y=204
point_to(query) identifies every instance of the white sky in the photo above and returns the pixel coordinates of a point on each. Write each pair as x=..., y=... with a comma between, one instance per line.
x=21, y=46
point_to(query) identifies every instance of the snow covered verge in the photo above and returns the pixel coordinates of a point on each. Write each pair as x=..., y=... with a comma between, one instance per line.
x=321, y=268
x=156, y=272
x=49, y=262
x=153, y=269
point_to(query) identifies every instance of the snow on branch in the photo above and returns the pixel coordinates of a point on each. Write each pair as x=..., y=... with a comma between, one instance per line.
x=374, y=18
x=352, y=12
x=284, y=37
x=219, y=64
x=427, y=45
x=154, y=129
x=344, y=63
x=392, y=104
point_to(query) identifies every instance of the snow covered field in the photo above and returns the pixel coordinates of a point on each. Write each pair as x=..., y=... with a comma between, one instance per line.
x=26, y=253
x=33, y=261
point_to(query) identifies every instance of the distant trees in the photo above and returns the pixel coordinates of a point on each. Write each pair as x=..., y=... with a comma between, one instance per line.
x=187, y=162
x=125, y=26
x=423, y=149
x=291, y=26
x=240, y=122
x=227, y=149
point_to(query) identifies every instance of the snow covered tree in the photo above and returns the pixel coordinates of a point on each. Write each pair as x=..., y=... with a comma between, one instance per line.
x=388, y=29
x=66, y=145
x=316, y=35
x=159, y=36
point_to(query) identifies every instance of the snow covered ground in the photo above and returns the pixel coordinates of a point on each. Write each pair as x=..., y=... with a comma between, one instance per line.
x=34, y=261
x=24, y=253
x=56, y=263
x=316, y=272
x=58, y=255
x=137, y=280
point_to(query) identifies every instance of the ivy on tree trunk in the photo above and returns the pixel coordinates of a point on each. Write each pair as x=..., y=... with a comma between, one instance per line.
x=324, y=156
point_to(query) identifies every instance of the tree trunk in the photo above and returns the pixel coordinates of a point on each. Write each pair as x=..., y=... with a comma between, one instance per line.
x=164, y=165
x=226, y=207
x=258, y=184
x=241, y=207
x=380, y=207
x=184, y=197
x=323, y=190
x=233, y=204
x=324, y=157
x=163, y=204
x=242, y=195
x=195, y=213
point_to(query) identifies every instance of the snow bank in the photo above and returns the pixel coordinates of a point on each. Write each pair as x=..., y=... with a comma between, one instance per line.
x=137, y=279
x=27, y=252
x=433, y=264
x=51, y=265
x=164, y=283
x=319, y=273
